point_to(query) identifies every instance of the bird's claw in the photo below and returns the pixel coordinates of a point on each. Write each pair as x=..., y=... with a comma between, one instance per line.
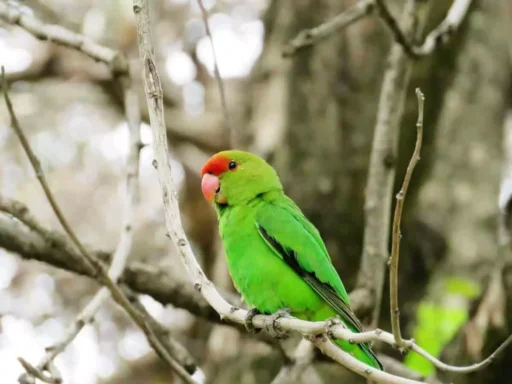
x=273, y=328
x=248, y=321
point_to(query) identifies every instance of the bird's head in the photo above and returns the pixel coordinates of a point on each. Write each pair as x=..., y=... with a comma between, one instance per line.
x=235, y=177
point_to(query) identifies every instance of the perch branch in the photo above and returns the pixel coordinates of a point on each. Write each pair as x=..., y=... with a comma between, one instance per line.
x=308, y=37
x=88, y=259
x=316, y=331
x=395, y=244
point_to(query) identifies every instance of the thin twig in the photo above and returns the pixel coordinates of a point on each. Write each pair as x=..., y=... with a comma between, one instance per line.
x=230, y=128
x=33, y=372
x=308, y=37
x=381, y=171
x=88, y=259
x=175, y=348
x=438, y=37
x=394, y=27
x=398, y=368
x=60, y=35
x=115, y=60
x=442, y=34
x=36, y=165
x=124, y=246
x=395, y=244
x=334, y=329
x=31, y=235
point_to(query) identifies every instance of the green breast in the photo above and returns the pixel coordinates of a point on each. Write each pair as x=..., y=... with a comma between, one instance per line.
x=264, y=280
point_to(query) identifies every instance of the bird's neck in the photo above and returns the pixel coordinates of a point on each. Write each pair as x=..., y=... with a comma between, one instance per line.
x=268, y=196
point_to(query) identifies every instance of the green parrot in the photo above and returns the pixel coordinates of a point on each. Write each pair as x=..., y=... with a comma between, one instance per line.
x=276, y=257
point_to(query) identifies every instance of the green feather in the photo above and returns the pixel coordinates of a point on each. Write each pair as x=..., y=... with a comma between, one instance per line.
x=276, y=257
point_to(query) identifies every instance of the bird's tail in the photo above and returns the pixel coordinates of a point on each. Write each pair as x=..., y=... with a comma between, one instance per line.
x=361, y=352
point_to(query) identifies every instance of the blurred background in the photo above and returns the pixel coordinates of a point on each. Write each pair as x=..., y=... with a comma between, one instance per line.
x=312, y=116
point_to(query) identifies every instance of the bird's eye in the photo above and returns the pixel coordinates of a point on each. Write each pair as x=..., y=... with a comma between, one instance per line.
x=232, y=165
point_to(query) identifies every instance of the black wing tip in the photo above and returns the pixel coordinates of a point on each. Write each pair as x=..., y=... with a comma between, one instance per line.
x=290, y=258
x=374, y=357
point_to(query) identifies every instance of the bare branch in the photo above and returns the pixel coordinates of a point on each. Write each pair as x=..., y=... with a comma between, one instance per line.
x=311, y=36
x=303, y=356
x=377, y=376
x=398, y=368
x=55, y=249
x=381, y=172
x=60, y=35
x=388, y=338
x=230, y=128
x=118, y=64
x=176, y=349
x=442, y=34
x=87, y=258
x=395, y=245
x=124, y=246
x=392, y=24
x=53, y=377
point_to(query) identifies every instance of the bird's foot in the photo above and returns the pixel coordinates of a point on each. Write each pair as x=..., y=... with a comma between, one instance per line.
x=248, y=321
x=273, y=328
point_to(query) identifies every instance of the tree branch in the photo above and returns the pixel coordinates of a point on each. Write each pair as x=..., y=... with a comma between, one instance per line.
x=399, y=36
x=53, y=248
x=442, y=34
x=311, y=36
x=395, y=245
x=381, y=172
x=124, y=247
x=87, y=258
x=115, y=60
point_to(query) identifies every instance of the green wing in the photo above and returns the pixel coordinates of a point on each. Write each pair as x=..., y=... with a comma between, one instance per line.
x=294, y=239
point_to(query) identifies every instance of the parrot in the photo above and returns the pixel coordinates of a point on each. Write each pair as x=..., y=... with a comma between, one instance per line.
x=276, y=257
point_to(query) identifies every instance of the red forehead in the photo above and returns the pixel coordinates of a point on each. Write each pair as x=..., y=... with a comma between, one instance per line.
x=217, y=165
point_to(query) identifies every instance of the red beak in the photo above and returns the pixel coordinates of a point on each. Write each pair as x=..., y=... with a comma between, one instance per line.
x=209, y=185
